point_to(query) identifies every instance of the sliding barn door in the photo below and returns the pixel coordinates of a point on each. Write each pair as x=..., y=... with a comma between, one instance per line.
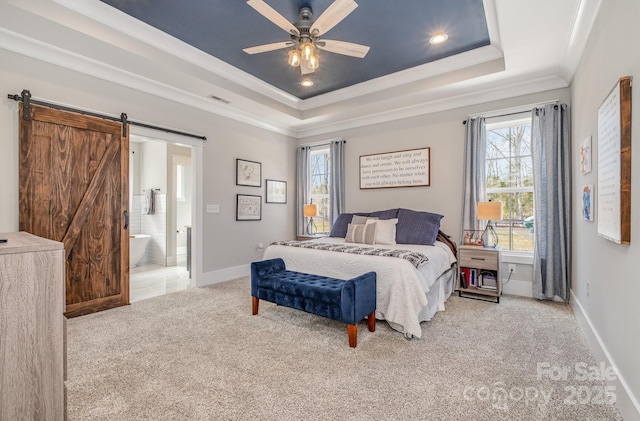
x=74, y=189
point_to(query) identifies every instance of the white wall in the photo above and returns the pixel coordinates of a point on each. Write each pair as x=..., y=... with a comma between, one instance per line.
x=227, y=243
x=444, y=133
x=134, y=167
x=153, y=167
x=605, y=275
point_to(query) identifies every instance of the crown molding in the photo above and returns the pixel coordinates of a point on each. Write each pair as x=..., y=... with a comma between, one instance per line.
x=583, y=23
x=449, y=98
x=47, y=53
x=390, y=82
x=466, y=79
x=125, y=24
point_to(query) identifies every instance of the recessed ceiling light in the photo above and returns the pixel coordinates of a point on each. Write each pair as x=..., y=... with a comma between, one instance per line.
x=439, y=38
x=306, y=83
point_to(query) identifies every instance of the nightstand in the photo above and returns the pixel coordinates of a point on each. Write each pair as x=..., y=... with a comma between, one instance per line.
x=479, y=273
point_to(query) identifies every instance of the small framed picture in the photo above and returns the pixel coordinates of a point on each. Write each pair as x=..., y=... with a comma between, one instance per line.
x=472, y=238
x=248, y=173
x=585, y=155
x=276, y=191
x=248, y=207
x=587, y=202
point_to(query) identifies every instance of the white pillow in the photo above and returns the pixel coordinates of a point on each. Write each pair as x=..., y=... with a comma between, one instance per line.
x=361, y=233
x=386, y=231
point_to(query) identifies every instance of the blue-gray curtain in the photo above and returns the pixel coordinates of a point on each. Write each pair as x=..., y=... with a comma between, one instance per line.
x=302, y=187
x=475, y=174
x=336, y=195
x=551, y=156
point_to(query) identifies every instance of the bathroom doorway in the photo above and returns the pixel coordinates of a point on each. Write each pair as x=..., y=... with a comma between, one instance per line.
x=161, y=195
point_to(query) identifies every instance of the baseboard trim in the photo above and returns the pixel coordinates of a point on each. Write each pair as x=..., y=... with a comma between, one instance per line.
x=223, y=275
x=626, y=402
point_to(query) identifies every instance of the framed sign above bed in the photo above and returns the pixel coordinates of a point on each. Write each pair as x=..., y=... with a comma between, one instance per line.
x=408, y=168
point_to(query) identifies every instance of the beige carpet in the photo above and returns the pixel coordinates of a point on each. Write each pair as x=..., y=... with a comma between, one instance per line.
x=200, y=355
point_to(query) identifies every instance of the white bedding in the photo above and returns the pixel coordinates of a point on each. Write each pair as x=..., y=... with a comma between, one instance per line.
x=401, y=288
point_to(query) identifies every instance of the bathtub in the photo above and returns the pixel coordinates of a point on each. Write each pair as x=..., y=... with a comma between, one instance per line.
x=137, y=246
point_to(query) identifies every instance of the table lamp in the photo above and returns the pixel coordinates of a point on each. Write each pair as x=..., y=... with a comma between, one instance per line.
x=489, y=211
x=310, y=211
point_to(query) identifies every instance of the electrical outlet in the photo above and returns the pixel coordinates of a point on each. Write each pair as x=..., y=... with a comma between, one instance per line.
x=512, y=268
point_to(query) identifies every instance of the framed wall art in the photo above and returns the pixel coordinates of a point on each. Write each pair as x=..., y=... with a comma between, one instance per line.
x=276, y=191
x=587, y=202
x=248, y=173
x=585, y=156
x=248, y=207
x=408, y=168
x=614, y=164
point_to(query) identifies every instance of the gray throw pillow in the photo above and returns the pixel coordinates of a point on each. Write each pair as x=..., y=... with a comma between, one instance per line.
x=417, y=227
x=361, y=233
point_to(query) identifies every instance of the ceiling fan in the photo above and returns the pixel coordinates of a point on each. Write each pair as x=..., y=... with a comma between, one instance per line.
x=305, y=34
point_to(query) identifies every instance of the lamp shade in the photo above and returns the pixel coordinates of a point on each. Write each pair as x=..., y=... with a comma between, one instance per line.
x=310, y=210
x=489, y=211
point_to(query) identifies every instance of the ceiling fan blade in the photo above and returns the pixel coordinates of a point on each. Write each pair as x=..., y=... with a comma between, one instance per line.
x=338, y=10
x=267, y=47
x=304, y=68
x=343, y=47
x=270, y=13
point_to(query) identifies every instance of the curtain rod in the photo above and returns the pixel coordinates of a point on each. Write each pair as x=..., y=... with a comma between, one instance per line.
x=507, y=112
x=322, y=142
x=27, y=100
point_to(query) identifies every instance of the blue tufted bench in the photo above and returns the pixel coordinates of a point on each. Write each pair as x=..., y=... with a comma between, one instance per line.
x=346, y=301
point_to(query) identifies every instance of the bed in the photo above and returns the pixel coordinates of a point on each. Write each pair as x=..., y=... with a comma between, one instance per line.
x=406, y=294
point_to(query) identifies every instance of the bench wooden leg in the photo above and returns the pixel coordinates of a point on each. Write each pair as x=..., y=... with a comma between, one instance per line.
x=371, y=320
x=254, y=305
x=353, y=335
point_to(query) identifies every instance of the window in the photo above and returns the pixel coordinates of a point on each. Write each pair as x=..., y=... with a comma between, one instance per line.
x=510, y=180
x=320, y=179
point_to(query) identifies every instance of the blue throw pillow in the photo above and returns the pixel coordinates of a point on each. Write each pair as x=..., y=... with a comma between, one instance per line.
x=385, y=214
x=417, y=227
x=341, y=225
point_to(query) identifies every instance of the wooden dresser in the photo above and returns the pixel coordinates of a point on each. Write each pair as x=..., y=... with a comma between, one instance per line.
x=32, y=330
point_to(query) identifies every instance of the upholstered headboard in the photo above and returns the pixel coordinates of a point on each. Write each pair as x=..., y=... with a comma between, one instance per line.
x=413, y=227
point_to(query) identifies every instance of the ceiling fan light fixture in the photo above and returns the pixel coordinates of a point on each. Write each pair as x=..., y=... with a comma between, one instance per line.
x=314, y=61
x=307, y=50
x=438, y=38
x=305, y=34
x=307, y=83
x=294, y=58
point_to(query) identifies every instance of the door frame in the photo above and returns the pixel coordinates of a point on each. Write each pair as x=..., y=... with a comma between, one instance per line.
x=197, y=214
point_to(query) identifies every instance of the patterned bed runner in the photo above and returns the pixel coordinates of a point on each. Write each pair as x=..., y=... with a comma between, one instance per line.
x=415, y=258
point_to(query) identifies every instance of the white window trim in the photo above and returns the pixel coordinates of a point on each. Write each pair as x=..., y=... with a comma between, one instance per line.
x=510, y=189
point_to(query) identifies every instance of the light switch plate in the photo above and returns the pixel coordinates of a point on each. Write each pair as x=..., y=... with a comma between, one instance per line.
x=213, y=208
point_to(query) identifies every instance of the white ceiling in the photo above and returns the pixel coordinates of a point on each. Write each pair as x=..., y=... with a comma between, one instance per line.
x=535, y=46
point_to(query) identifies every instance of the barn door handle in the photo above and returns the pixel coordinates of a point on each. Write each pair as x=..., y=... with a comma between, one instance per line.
x=126, y=219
